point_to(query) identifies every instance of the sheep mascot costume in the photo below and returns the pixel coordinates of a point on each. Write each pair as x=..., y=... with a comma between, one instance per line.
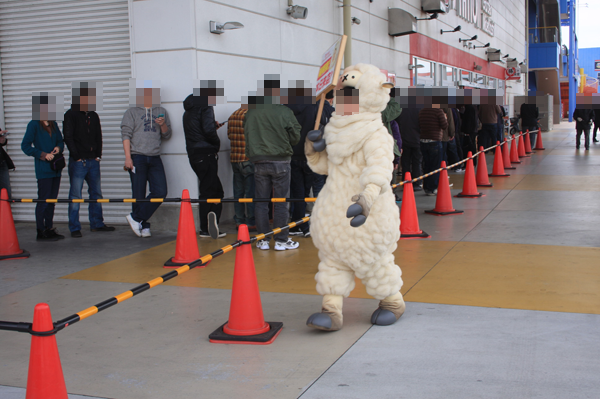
x=356, y=152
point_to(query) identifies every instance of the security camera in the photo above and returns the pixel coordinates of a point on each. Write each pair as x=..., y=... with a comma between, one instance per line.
x=297, y=12
x=355, y=21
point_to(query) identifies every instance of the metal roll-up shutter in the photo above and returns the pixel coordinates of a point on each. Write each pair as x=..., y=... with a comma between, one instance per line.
x=45, y=45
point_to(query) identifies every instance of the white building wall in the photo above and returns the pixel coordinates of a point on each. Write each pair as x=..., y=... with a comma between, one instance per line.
x=171, y=42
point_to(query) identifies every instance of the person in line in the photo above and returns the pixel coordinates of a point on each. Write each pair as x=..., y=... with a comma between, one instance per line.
x=530, y=114
x=301, y=174
x=469, y=127
x=83, y=136
x=5, y=164
x=202, y=144
x=488, y=114
x=584, y=118
x=432, y=122
x=411, y=159
x=319, y=180
x=44, y=142
x=596, y=123
x=143, y=128
x=500, y=126
x=271, y=132
x=243, y=170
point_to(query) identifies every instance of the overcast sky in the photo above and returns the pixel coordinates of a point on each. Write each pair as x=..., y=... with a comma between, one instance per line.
x=588, y=24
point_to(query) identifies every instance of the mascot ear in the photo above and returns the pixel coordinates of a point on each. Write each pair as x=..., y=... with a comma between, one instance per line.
x=387, y=85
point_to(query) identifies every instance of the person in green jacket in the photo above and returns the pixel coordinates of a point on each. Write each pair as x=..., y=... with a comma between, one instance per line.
x=271, y=130
x=391, y=112
x=44, y=142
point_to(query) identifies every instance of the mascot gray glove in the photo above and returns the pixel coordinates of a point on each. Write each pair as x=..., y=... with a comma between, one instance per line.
x=318, y=142
x=359, y=211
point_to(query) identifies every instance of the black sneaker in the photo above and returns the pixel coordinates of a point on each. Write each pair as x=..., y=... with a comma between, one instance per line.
x=43, y=236
x=53, y=232
x=104, y=228
x=76, y=234
x=296, y=232
x=417, y=188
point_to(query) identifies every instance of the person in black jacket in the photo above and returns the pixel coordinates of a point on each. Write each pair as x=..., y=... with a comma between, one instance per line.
x=5, y=164
x=302, y=176
x=411, y=158
x=83, y=136
x=596, y=123
x=202, y=144
x=530, y=114
x=584, y=118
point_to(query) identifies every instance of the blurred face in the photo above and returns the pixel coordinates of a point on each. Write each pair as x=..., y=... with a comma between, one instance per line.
x=346, y=101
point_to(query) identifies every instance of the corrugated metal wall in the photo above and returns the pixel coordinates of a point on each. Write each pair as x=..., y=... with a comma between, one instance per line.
x=45, y=46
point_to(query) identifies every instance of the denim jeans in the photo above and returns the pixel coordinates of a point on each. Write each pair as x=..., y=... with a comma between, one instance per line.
x=301, y=183
x=87, y=170
x=4, y=177
x=532, y=136
x=499, y=133
x=206, y=167
x=432, y=158
x=147, y=170
x=243, y=187
x=44, y=212
x=450, y=152
x=272, y=178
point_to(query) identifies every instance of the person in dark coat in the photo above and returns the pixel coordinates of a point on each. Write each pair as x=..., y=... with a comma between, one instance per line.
x=584, y=118
x=411, y=159
x=530, y=114
x=202, y=144
x=596, y=123
x=469, y=127
x=302, y=175
x=5, y=164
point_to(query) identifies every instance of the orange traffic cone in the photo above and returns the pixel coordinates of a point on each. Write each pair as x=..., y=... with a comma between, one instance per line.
x=506, y=156
x=482, y=174
x=521, y=146
x=469, y=184
x=539, y=145
x=443, y=202
x=9, y=243
x=186, y=248
x=409, y=221
x=528, y=143
x=246, y=323
x=45, y=378
x=498, y=170
x=514, y=153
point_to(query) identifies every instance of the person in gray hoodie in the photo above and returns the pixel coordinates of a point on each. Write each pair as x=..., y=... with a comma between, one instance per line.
x=142, y=130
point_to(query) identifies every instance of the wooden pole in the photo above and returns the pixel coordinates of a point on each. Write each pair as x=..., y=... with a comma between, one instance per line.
x=320, y=111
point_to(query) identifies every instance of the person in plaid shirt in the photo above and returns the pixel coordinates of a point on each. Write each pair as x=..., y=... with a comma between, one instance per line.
x=243, y=170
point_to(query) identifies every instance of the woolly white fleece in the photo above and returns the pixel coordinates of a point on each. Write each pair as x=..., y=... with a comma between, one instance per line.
x=358, y=160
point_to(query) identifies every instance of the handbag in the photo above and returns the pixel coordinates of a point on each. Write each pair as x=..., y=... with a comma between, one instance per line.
x=58, y=163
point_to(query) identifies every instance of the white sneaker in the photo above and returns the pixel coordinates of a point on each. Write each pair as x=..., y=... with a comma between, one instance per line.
x=146, y=233
x=263, y=244
x=135, y=226
x=282, y=246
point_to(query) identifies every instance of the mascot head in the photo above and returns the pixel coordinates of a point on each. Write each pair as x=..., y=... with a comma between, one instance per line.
x=371, y=84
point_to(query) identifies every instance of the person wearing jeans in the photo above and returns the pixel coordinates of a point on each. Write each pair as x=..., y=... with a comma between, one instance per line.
x=271, y=131
x=243, y=170
x=244, y=187
x=142, y=130
x=83, y=136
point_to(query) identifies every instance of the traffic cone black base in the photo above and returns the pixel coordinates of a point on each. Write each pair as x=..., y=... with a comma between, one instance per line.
x=23, y=255
x=432, y=212
x=174, y=265
x=220, y=337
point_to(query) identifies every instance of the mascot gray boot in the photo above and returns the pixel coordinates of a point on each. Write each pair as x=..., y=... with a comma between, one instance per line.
x=390, y=309
x=330, y=318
